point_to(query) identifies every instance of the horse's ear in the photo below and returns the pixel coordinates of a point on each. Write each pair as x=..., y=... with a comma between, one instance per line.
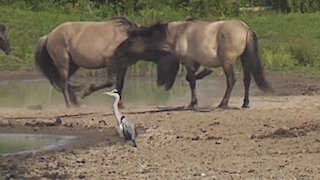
x=132, y=32
x=136, y=31
x=135, y=24
x=2, y=28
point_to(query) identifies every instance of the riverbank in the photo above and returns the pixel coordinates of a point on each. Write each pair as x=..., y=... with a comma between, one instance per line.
x=278, y=137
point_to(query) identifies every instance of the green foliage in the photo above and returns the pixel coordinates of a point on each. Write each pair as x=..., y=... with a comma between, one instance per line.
x=303, y=52
x=287, y=41
x=303, y=6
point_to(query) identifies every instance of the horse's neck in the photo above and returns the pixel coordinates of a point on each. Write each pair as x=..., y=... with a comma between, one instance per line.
x=174, y=30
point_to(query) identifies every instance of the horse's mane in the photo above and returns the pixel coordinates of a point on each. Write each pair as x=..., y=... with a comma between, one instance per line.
x=122, y=21
x=191, y=19
x=2, y=27
x=157, y=31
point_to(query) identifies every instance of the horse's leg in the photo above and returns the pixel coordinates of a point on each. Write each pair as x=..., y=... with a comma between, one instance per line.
x=205, y=72
x=231, y=80
x=64, y=86
x=94, y=87
x=62, y=62
x=111, y=73
x=246, y=82
x=192, y=83
x=72, y=69
x=119, y=84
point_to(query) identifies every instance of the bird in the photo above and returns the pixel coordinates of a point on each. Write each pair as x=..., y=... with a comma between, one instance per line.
x=125, y=128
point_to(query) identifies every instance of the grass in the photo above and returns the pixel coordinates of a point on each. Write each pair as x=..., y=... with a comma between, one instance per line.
x=289, y=42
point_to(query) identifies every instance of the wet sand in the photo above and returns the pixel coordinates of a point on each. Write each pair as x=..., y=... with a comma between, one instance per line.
x=277, y=138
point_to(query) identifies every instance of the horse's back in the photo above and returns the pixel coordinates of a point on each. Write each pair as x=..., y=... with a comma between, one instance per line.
x=206, y=42
x=90, y=44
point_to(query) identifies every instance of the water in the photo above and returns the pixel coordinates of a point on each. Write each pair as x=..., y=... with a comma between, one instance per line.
x=23, y=93
x=137, y=91
x=27, y=143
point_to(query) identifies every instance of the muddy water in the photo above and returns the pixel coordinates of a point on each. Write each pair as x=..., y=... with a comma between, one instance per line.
x=137, y=91
x=26, y=143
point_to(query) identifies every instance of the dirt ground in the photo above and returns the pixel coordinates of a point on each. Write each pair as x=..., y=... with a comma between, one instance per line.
x=277, y=138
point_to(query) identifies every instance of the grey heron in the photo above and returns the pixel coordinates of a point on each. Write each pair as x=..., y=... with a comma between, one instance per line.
x=125, y=127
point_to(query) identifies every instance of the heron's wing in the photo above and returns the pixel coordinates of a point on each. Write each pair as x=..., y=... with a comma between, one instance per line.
x=128, y=128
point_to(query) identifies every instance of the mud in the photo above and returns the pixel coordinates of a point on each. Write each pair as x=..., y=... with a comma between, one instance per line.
x=277, y=138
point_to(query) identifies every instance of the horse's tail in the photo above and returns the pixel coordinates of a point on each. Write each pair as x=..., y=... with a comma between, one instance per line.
x=45, y=63
x=251, y=59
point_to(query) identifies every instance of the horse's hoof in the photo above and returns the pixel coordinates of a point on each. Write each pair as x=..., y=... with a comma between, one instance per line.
x=245, y=106
x=84, y=95
x=121, y=106
x=87, y=92
x=192, y=105
x=223, y=106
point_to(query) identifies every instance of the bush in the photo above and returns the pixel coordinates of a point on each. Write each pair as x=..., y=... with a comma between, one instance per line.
x=303, y=53
x=278, y=59
x=303, y=6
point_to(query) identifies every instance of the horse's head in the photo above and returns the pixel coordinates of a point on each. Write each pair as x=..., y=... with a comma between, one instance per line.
x=4, y=40
x=143, y=41
x=167, y=69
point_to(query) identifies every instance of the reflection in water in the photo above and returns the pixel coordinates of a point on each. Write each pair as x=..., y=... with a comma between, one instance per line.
x=137, y=91
x=23, y=143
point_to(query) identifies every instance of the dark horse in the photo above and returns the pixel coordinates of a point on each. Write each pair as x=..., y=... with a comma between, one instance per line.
x=194, y=43
x=4, y=40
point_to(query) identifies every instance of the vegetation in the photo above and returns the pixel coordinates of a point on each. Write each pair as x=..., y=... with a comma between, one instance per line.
x=289, y=34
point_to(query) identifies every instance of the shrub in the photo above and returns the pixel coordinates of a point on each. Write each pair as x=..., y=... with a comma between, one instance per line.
x=302, y=52
x=277, y=59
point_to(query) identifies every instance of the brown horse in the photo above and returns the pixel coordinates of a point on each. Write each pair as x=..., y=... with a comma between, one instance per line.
x=194, y=43
x=80, y=44
x=4, y=39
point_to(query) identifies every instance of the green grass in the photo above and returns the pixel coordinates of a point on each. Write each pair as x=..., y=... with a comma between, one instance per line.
x=289, y=42
x=26, y=27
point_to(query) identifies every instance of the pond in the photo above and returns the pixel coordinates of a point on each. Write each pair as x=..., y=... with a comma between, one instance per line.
x=26, y=143
x=137, y=91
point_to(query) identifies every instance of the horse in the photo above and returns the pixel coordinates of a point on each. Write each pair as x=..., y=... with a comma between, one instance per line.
x=196, y=42
x=91, y=45
x=71, y=45
x=4, y=39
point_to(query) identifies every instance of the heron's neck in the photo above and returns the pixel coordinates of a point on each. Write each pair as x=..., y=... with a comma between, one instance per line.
x=116, y=109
